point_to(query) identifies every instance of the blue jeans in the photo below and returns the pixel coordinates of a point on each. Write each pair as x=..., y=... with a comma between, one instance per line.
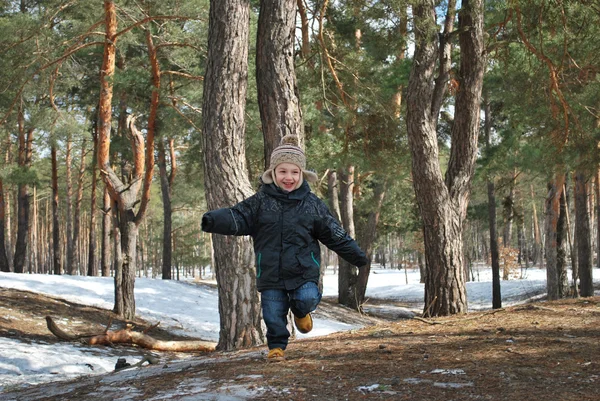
x=277, y=303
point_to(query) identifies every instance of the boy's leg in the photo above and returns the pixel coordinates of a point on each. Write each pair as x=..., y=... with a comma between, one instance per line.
x=275, y=307
x=304, y=299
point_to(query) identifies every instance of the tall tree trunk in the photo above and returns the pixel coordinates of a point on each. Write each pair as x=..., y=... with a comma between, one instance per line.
x=4, y=266
x=105, y=261
x=509, y=212
x=166, y=183
x=278, y=102
x=226, y=173
x=443, y=201
x=597, y=217
x=77, y=212
x=551, y=245
x=70, y=267
x=56, y=251
x=92, y=263
x=125, y=195
x=572, y=247
x=332, y=194
x=348, y=274
x=582, y=233
x=561, y=248
x=496, y=291
x=33, y=234
x=368, y=239
x=537, y=235
x=25, y=149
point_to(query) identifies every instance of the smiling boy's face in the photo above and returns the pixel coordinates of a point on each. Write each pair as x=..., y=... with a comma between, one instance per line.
x=288, y=176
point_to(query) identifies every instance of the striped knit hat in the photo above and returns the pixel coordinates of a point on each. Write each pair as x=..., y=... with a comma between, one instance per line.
x=288, y=151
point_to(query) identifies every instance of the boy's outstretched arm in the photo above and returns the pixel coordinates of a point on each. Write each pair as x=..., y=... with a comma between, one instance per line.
x=236, y=220
x=334, y=237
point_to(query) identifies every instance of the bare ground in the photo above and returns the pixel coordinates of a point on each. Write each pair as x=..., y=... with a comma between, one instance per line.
x=537, y=351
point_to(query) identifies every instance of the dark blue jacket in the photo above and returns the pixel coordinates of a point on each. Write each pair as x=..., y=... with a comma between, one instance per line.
x=285, y=228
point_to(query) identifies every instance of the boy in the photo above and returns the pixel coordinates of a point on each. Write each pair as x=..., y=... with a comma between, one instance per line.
x=286, y=221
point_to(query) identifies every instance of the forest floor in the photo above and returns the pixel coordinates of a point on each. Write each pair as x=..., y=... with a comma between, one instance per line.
x=535, y=351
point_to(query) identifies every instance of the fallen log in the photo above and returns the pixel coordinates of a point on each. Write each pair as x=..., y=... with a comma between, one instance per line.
x=128, y=336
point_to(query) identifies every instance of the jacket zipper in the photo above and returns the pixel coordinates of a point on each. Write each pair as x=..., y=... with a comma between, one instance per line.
x=312, y=255
x=259, y=269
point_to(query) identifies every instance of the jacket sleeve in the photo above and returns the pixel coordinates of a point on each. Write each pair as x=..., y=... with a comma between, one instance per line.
x=333, y=236
x=236, y=220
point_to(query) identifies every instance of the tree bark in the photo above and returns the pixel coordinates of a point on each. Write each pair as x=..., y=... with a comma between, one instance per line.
x=4, y=266
x=561, y=248
x=443, y=202
x=69, y=265
x=368, y=239
x=555, y=189
x=25, y=150
x=537, y=235
x=332, y=194
x=496, y=290
x=226, y=179
x=56, y=251
x=77, y=211
x=105, y=261
x=166, y=183
x=508, y=212
x=348, y=274
x=278, y=102
x=92, y=268
x=583, y=234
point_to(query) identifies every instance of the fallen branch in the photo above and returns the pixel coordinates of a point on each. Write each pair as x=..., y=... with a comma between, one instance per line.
x=128, y=336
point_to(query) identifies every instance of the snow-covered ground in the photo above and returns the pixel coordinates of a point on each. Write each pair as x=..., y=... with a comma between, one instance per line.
x=189, y=309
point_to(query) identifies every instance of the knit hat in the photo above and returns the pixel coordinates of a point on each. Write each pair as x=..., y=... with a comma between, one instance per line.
x=288, y=151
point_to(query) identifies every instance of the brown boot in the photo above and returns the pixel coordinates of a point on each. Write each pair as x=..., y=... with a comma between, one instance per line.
x=276, y=355
x=304, y=324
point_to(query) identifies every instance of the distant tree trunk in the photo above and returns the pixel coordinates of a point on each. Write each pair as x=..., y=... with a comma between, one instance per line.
x=4, y=266
x=70, y=267
x=25, y=150
x=278, y=102
x=572, y=247
x=105, y=261
x=598, y=217
x=304, y=29
x=332, y=194
x=56, y=252
x=496, y=291
x=443, y=200
x=555, y=189
x=166, y=185
x=226, y=173
x=368, y=239
x=537, y=235
x=583, y=235
x=509, y=213
x=92, y=269
x=348, y=274
x=561, y=246
x=125, y=195
x=77, y=211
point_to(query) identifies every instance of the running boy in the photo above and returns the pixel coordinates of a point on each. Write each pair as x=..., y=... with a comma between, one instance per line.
x=286, y=221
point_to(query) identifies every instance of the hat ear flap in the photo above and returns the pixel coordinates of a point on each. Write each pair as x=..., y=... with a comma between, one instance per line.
x=267, y=177
x=310, y=176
